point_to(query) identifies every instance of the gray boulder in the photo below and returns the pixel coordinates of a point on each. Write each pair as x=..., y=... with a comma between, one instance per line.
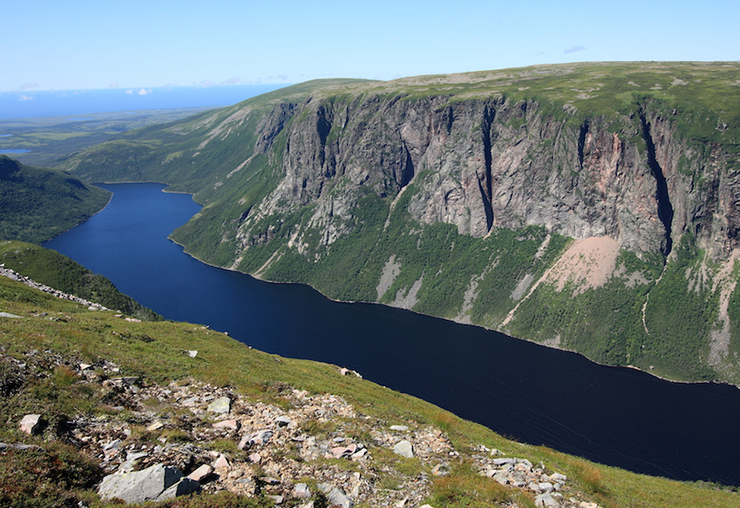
x=404, y=449
x=221, y=405
x=335, y=496
x=157, y=482
x=31, y=424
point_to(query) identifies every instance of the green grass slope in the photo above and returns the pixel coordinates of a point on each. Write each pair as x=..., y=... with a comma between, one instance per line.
x=60, y=475
x=37, y=204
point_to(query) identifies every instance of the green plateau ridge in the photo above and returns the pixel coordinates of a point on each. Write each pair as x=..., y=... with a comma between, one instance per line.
x=44, y=341
x=590, y=207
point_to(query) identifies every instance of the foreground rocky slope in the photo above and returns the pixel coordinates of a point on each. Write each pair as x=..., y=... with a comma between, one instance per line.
x=316, y=448
x=99, y=408
x=587, y=206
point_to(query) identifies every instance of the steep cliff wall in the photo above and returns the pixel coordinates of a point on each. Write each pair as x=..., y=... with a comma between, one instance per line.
x=504, y=163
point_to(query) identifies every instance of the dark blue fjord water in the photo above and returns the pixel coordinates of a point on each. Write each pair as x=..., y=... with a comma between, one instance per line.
x=615, y=416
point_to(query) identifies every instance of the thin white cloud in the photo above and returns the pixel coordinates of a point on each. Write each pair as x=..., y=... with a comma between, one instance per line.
x=206, y=83
x=233, y=81
x=26, y=86
x=575, y=49
x=130, y=92
x=144, y=92
x=25, y=98
x=113, y=85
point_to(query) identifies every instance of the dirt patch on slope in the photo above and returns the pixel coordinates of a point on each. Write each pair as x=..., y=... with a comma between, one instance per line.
x=586, y=264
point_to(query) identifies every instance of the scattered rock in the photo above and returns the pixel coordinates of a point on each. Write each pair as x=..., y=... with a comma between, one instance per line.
x=227, y=424
x=546, y=500
x=221, y=462
x=121, y=382
x=202, y=472
x=221, y=405
x=282, y=446
x=258, y=438
x=155, y=426
x=301, y=491
x=335, y=496
x=18, y=446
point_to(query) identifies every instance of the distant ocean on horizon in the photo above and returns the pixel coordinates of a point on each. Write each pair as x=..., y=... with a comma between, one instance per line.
x=33, y=104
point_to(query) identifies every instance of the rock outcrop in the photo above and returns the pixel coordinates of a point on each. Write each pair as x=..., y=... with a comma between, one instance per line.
x=501, y=163
x=155, y=483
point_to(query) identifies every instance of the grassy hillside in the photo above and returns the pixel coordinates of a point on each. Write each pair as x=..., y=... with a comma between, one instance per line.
x=62, y=475
x=37, y=204
x=59, y=272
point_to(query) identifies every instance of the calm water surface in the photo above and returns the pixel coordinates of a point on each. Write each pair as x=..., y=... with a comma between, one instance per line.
x=616, y=416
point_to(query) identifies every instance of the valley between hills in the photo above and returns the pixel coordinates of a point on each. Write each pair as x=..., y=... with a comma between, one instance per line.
x=589, y=207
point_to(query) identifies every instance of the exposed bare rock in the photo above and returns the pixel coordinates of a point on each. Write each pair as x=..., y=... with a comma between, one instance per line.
x=158, y=482
x=31, y=424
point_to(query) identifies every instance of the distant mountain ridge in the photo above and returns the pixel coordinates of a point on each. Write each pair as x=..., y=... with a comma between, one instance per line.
x=590, y=206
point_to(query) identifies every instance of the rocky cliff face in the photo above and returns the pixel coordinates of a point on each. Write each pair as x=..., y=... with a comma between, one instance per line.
x=502, y=163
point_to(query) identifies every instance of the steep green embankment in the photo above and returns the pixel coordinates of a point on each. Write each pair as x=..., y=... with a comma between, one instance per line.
x=587, y=206
x=37, y=204
x=52, y=269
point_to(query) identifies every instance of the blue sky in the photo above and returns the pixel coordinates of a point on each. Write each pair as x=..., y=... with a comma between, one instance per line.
x=75, y=44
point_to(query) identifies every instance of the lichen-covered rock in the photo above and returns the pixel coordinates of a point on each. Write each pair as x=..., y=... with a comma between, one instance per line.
x=404, y=449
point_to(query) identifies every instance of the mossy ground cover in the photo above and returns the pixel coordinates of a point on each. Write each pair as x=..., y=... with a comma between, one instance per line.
x=49, y=324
